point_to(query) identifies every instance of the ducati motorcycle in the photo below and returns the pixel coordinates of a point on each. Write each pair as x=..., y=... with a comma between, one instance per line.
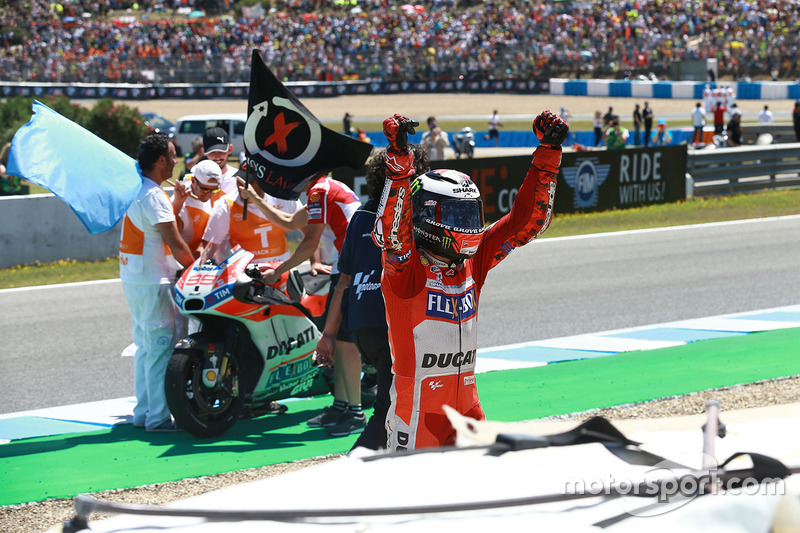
x=255, y=344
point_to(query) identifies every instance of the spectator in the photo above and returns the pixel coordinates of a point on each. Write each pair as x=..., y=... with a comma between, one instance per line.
x=608, y=117
x=218, y=149
x=698, y=122
x=468, y=39
x=708, y=97
x=347, y=123
x=565, y=115
x=195, y=156
x=796, y=120
x=598, y=128
x=731, y=96
x=765, y=116
x=662, y=136
x=637, y=125
x=648, y=122
x=719, y=118
x=494, y=123
x=149, y=241
x=735, y=130
x=435, y=140
x=615, y=135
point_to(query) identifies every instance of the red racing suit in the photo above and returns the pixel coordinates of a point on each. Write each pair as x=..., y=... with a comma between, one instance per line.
x=432, y=308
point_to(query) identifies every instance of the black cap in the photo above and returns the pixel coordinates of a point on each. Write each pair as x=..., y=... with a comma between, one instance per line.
x=215, y=139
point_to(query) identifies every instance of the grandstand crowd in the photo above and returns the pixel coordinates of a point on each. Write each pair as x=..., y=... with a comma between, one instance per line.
x=161, y=41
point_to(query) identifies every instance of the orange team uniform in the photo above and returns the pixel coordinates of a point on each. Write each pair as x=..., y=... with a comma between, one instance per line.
x=265, y=240
x=432, y=307
x=195, y=215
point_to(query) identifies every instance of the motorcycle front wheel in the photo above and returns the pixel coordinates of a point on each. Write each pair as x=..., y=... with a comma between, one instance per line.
x=200, y=410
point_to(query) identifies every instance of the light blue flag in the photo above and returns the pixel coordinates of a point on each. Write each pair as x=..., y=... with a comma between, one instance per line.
x=98, y=181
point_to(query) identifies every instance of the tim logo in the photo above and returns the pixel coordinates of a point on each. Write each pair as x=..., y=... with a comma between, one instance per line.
x=453, y=308
x=585, y=180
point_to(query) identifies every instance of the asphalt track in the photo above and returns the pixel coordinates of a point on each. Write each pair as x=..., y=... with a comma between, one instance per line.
x=62, y=345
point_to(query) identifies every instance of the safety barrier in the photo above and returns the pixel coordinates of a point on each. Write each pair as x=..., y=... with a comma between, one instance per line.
x=738, y=169
x=766, y=90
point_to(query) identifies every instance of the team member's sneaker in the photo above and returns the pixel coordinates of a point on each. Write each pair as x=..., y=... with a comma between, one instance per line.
x=269, y=408
x=348, y=424
x=328, y=418
x=167, y=426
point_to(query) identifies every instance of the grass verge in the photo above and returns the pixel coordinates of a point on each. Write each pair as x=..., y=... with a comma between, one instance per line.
x=697, y=211
x=63, y=271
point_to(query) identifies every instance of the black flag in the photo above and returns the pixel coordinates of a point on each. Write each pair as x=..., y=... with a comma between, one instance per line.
x=285, y=143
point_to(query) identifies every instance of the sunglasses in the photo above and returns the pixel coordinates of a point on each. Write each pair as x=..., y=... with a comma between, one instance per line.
x=206, y=190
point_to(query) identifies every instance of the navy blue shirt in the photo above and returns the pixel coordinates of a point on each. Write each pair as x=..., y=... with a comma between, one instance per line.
x=363, y=305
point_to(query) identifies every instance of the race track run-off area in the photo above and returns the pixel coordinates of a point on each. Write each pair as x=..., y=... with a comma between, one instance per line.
x=65, y=451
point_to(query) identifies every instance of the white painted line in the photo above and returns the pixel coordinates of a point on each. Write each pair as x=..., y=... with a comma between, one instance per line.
x=487, y=365
x=599, y=343
x=108, y=412
x=738, y=324
x=667, y=228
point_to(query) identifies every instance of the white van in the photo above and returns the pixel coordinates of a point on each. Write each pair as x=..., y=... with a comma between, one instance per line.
x=191, y=126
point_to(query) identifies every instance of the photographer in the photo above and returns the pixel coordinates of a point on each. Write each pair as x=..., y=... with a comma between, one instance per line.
x=615, y=135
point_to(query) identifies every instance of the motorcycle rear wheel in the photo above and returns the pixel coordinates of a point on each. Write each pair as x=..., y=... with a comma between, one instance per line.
x=202, y=411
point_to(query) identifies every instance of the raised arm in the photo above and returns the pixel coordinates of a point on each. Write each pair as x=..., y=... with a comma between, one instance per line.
x=394, y=231
x=532, y=210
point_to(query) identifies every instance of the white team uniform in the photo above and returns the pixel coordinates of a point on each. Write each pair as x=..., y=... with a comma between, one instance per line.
x=147, y=271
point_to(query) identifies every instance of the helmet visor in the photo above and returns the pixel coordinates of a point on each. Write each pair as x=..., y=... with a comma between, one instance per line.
x=463, y=214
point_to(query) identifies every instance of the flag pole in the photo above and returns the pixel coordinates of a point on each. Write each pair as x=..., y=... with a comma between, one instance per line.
x=246, y=185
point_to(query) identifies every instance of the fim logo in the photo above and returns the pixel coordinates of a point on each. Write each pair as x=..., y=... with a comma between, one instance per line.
x=585, y=180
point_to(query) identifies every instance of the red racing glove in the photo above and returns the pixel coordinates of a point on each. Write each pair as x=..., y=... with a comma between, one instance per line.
x=399, y=159
x=396, y=128
x=550, y=129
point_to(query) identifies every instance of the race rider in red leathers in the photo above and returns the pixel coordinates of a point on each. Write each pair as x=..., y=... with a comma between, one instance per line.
x=436, y=255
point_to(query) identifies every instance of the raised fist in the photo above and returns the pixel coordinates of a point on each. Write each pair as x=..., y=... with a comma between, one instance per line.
x=550, y=129
x=396, y=128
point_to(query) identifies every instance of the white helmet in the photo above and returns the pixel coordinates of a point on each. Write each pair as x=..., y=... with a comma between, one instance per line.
x=448, y=214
